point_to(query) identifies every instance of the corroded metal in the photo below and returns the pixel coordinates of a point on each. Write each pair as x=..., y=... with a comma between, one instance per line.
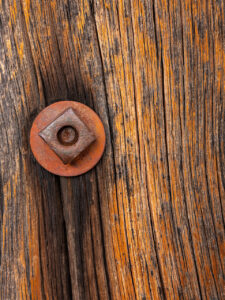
x=67, y=138
x=60, y=135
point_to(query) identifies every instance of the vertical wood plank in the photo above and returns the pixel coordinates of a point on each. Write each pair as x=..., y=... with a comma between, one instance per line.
x=148, y=221
x=33, y=256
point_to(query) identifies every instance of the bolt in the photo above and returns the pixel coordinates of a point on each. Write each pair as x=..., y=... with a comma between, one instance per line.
x=67, y=138
x=67, y=135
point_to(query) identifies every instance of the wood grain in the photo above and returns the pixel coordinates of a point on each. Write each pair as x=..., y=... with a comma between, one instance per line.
x=148, y=221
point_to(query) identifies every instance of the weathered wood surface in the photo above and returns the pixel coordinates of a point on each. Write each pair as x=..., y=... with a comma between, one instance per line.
x=148, y=221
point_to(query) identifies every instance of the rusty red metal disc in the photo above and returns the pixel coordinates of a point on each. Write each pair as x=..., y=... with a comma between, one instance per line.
x=67, y=138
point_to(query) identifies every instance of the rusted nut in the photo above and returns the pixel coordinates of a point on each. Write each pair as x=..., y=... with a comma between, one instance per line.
x=67, y=135
x=67, y=138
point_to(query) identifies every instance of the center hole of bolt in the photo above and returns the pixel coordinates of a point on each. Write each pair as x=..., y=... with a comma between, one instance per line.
x=67, y=135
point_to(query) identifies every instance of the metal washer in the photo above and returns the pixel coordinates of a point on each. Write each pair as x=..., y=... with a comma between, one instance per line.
x=48, y=159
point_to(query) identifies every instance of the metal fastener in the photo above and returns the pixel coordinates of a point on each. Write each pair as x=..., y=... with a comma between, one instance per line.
x=67, y=138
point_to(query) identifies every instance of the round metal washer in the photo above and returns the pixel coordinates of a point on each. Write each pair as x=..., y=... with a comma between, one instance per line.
x=48, y=159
